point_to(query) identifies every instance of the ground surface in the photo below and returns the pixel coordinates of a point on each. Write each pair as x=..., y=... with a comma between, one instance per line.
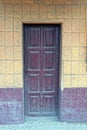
x=44, y=123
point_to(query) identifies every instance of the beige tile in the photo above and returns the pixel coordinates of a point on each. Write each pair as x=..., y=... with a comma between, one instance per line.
x=9, y=38
x=2, y=81
x=58, y=1
x=17, y=53
x=1, y=24
x=82, y=11
x=2, y=38
x=75, y=53
x=75, y=11
x=67, y=81
x=26, y=11
x=9, y=1
x=8, y=10
x=59, y=10
x=18, y=39
x=67, y=67
x=18, y=1
x=28, y=1
x=2, y=67
x=2, y=53
x=9, y=53
x=75, y=39
x=75, y=2
x=10, y=81
x=67, y=11
x=43, y=11
x=9, y=24
x=66, y=53
x=9, y=67
x=82, y=67
x=34, y=11
x=83, y=39
x=18, y=10
x=75, y=81
x=82, y=53
x=1, y=10
x=68, y=1
x=17, y=24
x=82, y=26
x=75, y=25
x=67, y=39
x=51, y=11
x=82, y=80
x=75, y=67
x=18, y=81
x=18, y=67
x=67, y=25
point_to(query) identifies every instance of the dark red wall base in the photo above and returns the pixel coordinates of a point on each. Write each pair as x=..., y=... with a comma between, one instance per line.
x=73, y=107
x=11, y=106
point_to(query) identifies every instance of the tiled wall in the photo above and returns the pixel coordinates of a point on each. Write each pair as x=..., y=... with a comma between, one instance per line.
x=72, y=14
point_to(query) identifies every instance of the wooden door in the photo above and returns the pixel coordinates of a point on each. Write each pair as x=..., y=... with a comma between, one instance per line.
x=41, y=69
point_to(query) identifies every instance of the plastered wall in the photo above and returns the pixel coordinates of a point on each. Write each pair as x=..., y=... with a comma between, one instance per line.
x=72, y=14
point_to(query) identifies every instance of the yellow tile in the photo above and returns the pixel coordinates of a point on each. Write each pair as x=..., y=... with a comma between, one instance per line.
x=75, y=1
x=75, y=81
x=43, y=11
x=18, y=10
x=82, y=80
x=67, y=67
x=2, y=39
x=9, y=53
x=59, y=11
x=75, y=39
x=18, y=81
x=82, y=53
x=67, y=25
x=58, y=1
x=82, y=26
x=8, y=10
x=9, y=24
x=2, y=68
x=28, y=1
x=1, y=24
x=82, y=11
x=75, y=25
x=83, y=39
x=17, y=24
x=67, y=81
x=67, y=39
x=75, y=11
x=18, y=38
x=18, y=67
x=68, y=1
x=75, y=53
x=34, y=11
x=26, y=11
x=2, y=81
x=75, y=67
x=1, y=10
x=67, y=11
x=51, y=11
x=10, y=81
x=2, y=53
x=9, y=67
x=66, y=53
x=17, y=53
x=9, y=38
x=82, y=67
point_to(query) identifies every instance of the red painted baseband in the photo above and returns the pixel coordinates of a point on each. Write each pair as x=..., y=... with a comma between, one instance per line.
x=11, y=106
x=73, y=107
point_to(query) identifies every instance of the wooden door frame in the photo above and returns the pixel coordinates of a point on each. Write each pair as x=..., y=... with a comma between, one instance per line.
x=60, y=59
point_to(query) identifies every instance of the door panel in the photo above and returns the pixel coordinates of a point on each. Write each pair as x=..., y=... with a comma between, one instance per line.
x=41, y=69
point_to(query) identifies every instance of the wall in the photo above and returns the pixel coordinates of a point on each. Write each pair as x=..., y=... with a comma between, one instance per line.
x=72, y=14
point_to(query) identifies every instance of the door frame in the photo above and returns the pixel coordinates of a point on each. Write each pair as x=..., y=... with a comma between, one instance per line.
x=60, y=60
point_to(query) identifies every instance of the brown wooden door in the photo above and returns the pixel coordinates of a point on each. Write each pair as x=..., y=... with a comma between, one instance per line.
x=41, y=69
